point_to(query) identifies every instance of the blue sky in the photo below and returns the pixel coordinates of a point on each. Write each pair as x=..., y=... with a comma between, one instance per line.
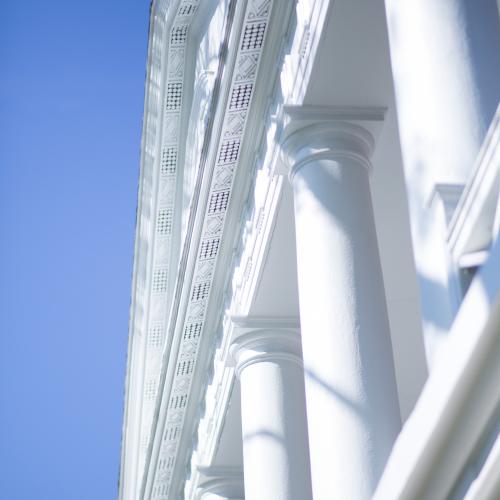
x=71, y=100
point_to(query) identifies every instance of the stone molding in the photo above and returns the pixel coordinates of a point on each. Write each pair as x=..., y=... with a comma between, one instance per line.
x=156, y=224
x=208, y=220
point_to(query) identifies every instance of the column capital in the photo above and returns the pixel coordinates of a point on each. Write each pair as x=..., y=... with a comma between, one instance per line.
x=220, y=483
x=312, y=133
x=273, y=344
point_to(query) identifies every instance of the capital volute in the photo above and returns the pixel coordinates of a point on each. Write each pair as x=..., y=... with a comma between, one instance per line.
x=261, y=345
x=313, y=133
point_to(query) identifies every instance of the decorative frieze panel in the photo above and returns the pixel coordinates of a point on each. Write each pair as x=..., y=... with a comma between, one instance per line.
x=178, y=35
x=168, y=160
x=235, y=124
x=240, y=96
x=156, y=335
x=159, y=281
x=258, y=9
x=253, y=36
x=164, y=207
x=176, y=63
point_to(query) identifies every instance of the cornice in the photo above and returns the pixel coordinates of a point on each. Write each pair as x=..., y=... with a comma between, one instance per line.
x=131, y=441
x=166, y=109
x=203, y=249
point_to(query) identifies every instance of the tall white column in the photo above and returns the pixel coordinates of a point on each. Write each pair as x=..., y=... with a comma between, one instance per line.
x=275, y=445
x=352, y=405
x=445, y=61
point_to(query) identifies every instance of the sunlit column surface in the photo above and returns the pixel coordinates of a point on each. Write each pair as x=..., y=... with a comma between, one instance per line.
x=275, y=447
x=352, y=406
x=445, y=59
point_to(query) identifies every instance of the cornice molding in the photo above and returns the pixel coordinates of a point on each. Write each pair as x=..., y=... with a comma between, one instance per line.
x=192, y=340
x=134, y=429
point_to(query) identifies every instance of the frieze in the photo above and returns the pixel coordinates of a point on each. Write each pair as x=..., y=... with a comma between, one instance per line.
x=250, y=45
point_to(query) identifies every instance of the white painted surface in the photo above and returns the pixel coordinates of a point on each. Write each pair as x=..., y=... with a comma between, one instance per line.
x=390, y=206
x=275, y=447
x=459, y=399
x=352, y=404
x=439, y=74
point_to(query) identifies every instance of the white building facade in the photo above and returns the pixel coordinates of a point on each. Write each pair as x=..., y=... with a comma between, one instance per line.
x=315, y=301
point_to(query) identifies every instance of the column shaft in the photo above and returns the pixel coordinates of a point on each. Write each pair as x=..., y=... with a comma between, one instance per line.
x=352, y=406
x=445, y=62
x=275, y=445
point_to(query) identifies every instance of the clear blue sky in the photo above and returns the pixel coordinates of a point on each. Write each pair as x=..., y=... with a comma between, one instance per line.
x=71, y=99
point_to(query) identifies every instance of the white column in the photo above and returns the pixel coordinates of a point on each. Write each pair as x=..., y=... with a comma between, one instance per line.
x=352, y=406
x=444, y=57
x=275, y=445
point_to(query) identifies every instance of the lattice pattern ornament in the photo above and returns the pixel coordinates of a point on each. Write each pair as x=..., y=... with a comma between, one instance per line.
x=240, y=97
x=165, y=216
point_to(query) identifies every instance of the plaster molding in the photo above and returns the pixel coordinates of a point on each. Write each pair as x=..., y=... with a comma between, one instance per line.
x=179, y=385
x=154, y=203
